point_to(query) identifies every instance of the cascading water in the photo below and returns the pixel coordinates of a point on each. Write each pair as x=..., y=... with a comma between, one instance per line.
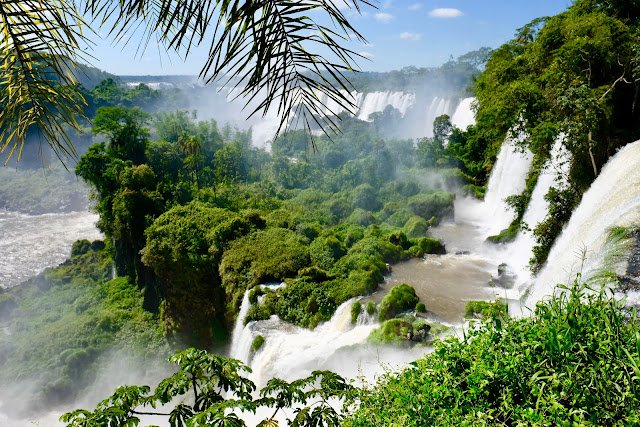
x=554, y=172
x=463, y=116
x=437, y=107
x=507, y=178
x=612, y=200
x=291, y=352
x=240, y=342
x=375, y=102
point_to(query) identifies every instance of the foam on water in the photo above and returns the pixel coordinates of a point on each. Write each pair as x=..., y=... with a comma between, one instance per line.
x=31, y=243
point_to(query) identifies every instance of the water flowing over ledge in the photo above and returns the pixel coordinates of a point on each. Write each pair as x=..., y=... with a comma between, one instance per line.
x=612, y=200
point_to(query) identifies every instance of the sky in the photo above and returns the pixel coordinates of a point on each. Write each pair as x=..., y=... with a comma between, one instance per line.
x=399, y=33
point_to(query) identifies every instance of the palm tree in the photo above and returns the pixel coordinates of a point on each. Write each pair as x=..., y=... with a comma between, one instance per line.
x=268, y=50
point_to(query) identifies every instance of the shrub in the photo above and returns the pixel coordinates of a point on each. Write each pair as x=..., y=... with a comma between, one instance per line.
x=325, y=251
x=400, y=298
x=371, y=308
x=486, y=309
x=80, y=247
x=558, y=367
x=416, y=227
x=257, y=344
x=427, y=245
x=356, y=308
x=438, y=204
x=264, y=256
x=420, y=308
x=361, y=217
x=392, y=330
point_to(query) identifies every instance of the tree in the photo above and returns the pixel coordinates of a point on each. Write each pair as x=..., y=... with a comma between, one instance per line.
x=267, y=49
x=219, y=390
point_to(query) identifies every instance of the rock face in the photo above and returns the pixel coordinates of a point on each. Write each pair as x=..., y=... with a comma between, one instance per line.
x=505, y=278
x=630, y=281
x=419, y=335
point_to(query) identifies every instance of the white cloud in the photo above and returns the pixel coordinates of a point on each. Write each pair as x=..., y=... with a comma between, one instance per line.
x=415, y=7
x=414, y=37
x=384, y=17
x=387, y=4
x=367, y=55
x=445, y=12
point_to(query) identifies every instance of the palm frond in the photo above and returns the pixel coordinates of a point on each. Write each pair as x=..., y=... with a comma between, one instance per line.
x=266, y=51
x=39, y=41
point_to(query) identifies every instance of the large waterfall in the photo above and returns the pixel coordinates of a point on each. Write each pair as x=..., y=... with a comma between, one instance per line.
x=553, y=173
x=507, y=178
x=463, y=116
x=375, y=102
x=612, y=200
x=417, y=110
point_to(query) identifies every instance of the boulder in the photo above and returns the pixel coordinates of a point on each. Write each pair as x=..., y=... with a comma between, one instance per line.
x=505, y=278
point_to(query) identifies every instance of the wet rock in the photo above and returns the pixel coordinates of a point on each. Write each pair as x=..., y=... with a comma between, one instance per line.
x=505, y=278
x=630, y=281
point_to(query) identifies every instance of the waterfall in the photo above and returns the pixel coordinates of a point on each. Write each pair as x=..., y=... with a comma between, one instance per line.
x=612, y=200
x=464, y=116
x=437, y=107
x=292, y=352
x=375, y=102
x=241, y=342
x=366, y=319
x=554, y=171
x=507, y=178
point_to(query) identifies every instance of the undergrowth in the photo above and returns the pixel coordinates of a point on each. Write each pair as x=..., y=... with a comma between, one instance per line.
x=576, y=361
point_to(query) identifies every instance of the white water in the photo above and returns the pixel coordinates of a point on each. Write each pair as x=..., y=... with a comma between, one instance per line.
x=507, y=178
x=290, y=352
x=31, y=243
x=612, y=200
x=375, y=102
x=553, y=173
x=464, y=116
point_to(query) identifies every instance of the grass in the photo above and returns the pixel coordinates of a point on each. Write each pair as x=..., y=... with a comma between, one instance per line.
x=575, y=362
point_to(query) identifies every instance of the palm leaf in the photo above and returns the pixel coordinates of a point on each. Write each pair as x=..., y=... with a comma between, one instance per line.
x=39, y=43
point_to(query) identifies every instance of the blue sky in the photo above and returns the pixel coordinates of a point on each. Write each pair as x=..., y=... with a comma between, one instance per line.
x=422, y=33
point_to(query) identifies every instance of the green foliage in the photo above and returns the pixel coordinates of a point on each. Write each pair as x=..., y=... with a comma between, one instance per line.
x=371, y=308
x=400, y=298
x=217, y=391
x=80, y=247
x=416, y=227
x=426, y=245
x=257, y=343
x=485, y=309
x=420, y=308
x=558, y=367
x=356, y=308
x=561, y=205
x=76, y=318
x=183, y=248
x=438, y=204
x=401, y=330
x=264, y=256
